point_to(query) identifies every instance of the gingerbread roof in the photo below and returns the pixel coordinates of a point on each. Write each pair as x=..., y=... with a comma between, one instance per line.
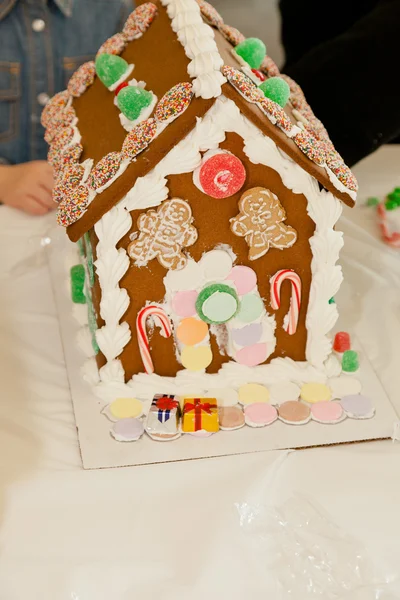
x=159, y=54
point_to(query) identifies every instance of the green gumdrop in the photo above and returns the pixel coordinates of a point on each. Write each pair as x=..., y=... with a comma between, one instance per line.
x=132, y=100
x=350, y=363
x=391, y=204
x=77, y=284
x=373, y=201
x=253, y=51
x=276, y=89
x=110, y=68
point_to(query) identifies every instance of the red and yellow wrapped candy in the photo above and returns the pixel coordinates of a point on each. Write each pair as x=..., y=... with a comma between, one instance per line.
x=200, y=414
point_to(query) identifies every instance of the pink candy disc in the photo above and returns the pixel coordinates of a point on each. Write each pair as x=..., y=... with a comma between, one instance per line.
x=247, y=335
x=260, y=414
x=220, y=175
x=327, y=412
x=184, y=303
x=244, y=278
x=252, y=355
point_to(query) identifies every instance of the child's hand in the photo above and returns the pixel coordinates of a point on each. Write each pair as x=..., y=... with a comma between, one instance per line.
x=28, y=187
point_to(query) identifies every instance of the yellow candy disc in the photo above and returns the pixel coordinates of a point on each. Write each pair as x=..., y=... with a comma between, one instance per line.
x=315, y=392
x=252, y=393
x=196, y=358
x=126, y=408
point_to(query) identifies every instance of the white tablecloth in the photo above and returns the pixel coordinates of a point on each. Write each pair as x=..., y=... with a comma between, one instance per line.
x=173, y=531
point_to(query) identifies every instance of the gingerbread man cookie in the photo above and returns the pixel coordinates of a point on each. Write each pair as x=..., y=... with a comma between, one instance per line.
x=163, y=234
x=260, y=222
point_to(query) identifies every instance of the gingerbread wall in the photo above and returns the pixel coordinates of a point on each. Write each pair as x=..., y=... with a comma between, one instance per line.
x=211, y=218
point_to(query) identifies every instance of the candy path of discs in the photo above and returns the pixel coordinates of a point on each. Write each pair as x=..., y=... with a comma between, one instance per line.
x=253, y=405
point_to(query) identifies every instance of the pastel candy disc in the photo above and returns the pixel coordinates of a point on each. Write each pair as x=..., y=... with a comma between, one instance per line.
x=184, y=303
x=358, y=407
x=216, y=265
x=127, y=430
x=283, y=392
x=315, y=392
x=244, y=278
x=344, y=386
x=252, y=393
x=294, y=413
x=123, y=408
x=251, y=308
x=231, y=417
x=191, y=331
x=217, y=303
x=327, y=412
x=196, y=358
x=259, y=415
x=247, y=335
x=252, y=355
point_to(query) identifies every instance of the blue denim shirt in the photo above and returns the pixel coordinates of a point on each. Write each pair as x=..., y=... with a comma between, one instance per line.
x=42, y=42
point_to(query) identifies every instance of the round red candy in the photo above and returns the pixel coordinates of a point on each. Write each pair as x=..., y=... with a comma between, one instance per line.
x=342, y=342
x=221, y=175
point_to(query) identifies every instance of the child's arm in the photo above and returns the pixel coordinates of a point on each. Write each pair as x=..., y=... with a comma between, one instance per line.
x=27, y=186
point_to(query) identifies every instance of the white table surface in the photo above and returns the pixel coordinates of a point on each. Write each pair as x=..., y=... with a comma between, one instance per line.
x=173, y=531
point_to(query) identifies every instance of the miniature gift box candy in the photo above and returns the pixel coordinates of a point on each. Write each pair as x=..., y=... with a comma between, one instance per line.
x=163, y=418
x=200, y=414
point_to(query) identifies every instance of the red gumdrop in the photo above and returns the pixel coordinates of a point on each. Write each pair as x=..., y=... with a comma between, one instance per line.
x=342, y=342
x=222, y=175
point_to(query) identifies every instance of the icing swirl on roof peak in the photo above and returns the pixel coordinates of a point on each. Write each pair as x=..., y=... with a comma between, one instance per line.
x=197, y=38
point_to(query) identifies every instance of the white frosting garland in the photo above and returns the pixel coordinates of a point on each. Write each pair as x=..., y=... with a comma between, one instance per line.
x=151, y=190
x=111, y=265
x=197, y=38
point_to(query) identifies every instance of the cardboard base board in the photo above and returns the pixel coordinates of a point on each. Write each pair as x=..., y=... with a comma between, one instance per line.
x=100, y=450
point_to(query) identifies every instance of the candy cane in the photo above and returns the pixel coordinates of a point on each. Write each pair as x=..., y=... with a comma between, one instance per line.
x=161, y=319
x=391, y=238
x=276, y=281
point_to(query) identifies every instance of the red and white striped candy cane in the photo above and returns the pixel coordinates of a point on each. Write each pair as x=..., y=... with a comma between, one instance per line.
x=391, y=238
x=162, y=320
x=276, y=281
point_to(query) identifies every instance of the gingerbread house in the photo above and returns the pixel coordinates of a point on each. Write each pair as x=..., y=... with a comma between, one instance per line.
x=203, y=194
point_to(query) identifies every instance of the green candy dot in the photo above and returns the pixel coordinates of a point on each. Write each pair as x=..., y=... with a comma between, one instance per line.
x=373, y=201
x=132, y=100
x=110, y=68
x=350, y=363
x=217, y=303
x=253, y=51
x=276, y=89
x=77, y=284
x=251, y=308
x=332, y=301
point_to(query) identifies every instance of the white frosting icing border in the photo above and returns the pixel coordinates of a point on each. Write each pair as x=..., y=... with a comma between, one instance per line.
x=151, y=190
x=197, y=38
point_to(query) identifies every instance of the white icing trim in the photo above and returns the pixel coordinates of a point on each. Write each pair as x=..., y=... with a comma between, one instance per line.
x=111, y=265
x=339, y=185
x=197, y=38
x=151, y=190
